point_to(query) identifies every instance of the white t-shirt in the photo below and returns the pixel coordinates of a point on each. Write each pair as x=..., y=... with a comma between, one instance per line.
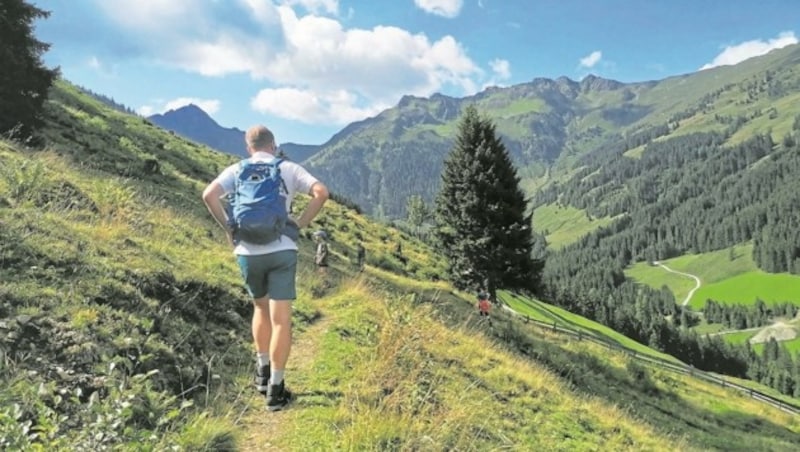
x=296, y=180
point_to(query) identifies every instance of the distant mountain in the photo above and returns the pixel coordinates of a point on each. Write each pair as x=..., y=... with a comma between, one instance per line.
x=195, y=124
x=551, y=126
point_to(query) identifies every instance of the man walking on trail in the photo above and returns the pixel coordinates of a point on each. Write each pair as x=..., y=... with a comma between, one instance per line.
x=268, y=269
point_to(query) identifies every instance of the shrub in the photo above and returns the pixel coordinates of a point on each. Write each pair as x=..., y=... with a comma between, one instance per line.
x=640, y=378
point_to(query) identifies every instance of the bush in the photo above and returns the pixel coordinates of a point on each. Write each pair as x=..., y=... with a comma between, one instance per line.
x=640, y=378
x=389, y=263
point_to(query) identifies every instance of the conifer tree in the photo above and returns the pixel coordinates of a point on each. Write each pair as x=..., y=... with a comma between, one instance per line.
x=24, y=81
x=482, y=224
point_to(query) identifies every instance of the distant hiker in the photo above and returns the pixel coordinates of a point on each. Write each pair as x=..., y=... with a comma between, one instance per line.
x=261, y=189
x=321, y=255
x=361, y=255
x=484, y=305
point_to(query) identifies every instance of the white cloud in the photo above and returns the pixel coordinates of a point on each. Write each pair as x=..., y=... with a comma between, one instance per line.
x=310, y=107
x=149, y=14
x=94, y=63
x=209, y=106
x=145, y=110
x=332, y=74
x=591, y=59
x=444, y=8
x=315, y=6
x=501, y=68
x=749, y=49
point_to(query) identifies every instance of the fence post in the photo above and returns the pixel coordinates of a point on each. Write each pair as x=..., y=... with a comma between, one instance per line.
x=555, y=326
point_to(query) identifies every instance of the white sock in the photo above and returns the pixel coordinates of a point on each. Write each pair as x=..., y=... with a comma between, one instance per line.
x=276, y=377
x=263, y=359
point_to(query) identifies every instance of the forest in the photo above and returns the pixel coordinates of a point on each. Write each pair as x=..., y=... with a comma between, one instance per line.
x=687, y=194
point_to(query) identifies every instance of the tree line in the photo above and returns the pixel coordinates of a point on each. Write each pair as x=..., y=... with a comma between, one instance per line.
x=740, y=317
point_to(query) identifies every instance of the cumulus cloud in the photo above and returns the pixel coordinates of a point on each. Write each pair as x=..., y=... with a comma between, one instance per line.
x=315, y=6
x=311, y=67
x=501, y=68
x=444, y=8
x=209, y=106
x=749, y=49
x=311, y=107
x=590, y=60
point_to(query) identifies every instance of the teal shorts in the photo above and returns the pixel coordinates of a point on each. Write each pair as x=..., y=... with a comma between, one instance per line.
x=270, y=274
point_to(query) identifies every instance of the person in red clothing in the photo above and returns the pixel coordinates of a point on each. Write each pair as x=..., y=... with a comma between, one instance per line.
x=484, y=305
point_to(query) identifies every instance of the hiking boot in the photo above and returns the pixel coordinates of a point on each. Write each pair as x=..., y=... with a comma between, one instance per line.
x=278, y=397
x=262, y=378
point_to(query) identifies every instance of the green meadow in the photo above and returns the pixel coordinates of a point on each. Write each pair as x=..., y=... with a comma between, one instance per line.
x=728, y=275
x=543, y=312
x=746, y=288
x=563, y=225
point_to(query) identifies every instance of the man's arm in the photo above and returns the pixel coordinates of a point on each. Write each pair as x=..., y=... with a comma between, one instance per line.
x=212, y=198
x=319, y=194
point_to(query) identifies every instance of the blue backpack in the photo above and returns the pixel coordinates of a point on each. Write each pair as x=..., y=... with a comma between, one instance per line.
x=257, y=211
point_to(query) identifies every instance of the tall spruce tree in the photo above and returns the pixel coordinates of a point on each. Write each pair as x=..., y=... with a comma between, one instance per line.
x=24, y=80
x=482, y=224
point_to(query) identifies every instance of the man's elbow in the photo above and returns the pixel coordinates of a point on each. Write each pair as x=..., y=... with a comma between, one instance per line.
x=206, y=195
x=209, y=194
x=320, y=191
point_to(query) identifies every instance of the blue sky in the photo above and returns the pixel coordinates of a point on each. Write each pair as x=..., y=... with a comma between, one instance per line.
x=307, y=68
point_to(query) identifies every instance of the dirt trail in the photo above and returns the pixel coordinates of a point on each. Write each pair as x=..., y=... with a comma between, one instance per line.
x=696, y=280
x=257, y=424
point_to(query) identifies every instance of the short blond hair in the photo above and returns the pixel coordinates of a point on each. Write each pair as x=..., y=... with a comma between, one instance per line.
x=259, y=137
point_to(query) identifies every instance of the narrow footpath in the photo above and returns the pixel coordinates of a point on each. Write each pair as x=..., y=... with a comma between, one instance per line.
x=696, y=280
x=260, y=426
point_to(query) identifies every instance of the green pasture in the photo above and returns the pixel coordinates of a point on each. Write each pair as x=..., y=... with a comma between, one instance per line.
x=564, y=224
x=748, y=287
x=656, y=277
x=729, y=275
x=537, y=310
x=740, y=337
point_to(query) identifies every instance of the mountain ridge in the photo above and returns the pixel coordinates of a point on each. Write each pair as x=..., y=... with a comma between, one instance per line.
x=194, y=123
x=546, y=124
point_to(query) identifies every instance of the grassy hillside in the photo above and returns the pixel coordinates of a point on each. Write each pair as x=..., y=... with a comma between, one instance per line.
x=728, y=275
x=562, y=225
x=384, y=366
x=125, y=326
x=543, y=312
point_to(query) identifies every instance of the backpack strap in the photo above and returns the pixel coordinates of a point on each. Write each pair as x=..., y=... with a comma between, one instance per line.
x=277, y=162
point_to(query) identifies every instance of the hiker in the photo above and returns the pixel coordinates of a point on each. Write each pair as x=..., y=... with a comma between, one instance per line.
x=267, y=257
x=361, y=255
x=321, y=255
x=483, y=304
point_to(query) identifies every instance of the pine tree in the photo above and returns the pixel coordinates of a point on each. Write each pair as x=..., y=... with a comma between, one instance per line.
x=482, y=224
x=24, y=81
x=417, y=212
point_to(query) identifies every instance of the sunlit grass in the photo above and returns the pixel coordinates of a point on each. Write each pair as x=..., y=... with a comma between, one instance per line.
x=563, y=225
x=728, y=275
